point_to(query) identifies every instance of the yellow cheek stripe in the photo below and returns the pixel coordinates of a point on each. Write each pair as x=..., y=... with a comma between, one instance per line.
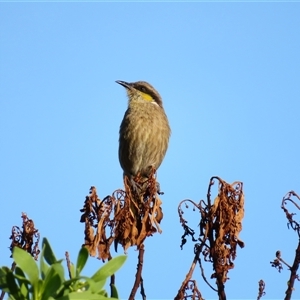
x=146, y=97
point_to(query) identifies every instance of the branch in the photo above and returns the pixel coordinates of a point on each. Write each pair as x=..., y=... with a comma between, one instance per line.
x=138, y=276
x=293, y=275
x=261, y=289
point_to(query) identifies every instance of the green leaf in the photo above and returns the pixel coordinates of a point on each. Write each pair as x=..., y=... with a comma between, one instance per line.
x=68, y=284
x=83, y=296
x=19, y=272
x=24, y=290
x=43, y=267
x=109, y=268
x=103, y=293
x=21, y=277
x=53, y=281
x=95, y=287
x=60, y=271
x=73, y=285
x=23, y=282
x=3, y=279
x=4, y=270
x=48, y=253
x=3, y=284
x=37, y=290
x=67, y=287
x=28, y=265
x=13, y=288
x=82, y=258
x=114, y=292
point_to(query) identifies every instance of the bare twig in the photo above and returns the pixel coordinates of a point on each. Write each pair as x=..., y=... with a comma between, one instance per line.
x=192, y=291
x=181, y=291
x=138, y=276
x=112, y=280
x=291, y=222
x=142, y=284
x=293, y=275
x=277, y=263
x=68, y=264
x=261, y=289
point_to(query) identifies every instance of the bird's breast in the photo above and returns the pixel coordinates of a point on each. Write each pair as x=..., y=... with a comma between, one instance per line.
x=144, y=136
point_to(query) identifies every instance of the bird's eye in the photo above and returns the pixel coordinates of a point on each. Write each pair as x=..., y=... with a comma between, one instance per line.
x=143, y=89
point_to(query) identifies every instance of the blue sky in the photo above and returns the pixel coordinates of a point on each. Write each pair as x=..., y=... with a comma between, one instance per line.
x=229, y=77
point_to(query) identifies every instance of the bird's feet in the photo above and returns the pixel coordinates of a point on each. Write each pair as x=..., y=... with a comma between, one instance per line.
x=135, y=186
x=159, y=192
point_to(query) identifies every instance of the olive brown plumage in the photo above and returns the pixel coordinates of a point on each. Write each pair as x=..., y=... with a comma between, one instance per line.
x=144, y=131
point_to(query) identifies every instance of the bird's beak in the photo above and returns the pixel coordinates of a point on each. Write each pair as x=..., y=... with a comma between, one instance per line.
x=124, y=83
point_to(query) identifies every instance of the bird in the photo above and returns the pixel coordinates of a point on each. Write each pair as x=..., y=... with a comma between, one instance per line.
x=144, y=131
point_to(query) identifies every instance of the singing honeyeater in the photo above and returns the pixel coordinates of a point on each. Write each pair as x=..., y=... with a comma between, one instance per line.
x=144, y=131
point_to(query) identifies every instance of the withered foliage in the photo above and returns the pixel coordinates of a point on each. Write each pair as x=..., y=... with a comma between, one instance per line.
x=290, y=198
x=126, y=218
x=26, y=237
x=261, y=289
x=220, y=225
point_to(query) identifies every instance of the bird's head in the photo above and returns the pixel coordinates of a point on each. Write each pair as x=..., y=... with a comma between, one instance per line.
x=141, y=91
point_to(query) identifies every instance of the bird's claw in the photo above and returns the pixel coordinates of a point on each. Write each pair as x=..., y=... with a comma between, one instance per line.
x=159, y=192
x=136, y=187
